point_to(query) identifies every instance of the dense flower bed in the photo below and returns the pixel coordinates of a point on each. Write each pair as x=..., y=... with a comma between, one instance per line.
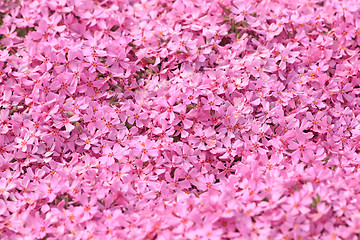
x=185, y=119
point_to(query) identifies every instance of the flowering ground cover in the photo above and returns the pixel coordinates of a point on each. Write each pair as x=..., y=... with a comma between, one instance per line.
x=179, y=119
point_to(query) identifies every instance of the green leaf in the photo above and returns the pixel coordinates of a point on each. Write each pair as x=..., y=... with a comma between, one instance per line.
x=315, y=201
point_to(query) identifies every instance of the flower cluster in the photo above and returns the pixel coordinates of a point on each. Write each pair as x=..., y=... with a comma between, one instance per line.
x=179, y=119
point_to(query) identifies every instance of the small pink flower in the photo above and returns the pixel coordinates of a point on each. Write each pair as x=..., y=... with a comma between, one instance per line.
x=211, y=102
x=22, y=143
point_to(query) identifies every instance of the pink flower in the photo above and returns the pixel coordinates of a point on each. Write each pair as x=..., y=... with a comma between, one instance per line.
x=86, y=141
x=22, y=143
x=137, y=117
x=65, y=84
x=211, y=102
x=145, y=148
x=301, y=146
x=112, y=154
x=203, y=138
x=183, y=42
